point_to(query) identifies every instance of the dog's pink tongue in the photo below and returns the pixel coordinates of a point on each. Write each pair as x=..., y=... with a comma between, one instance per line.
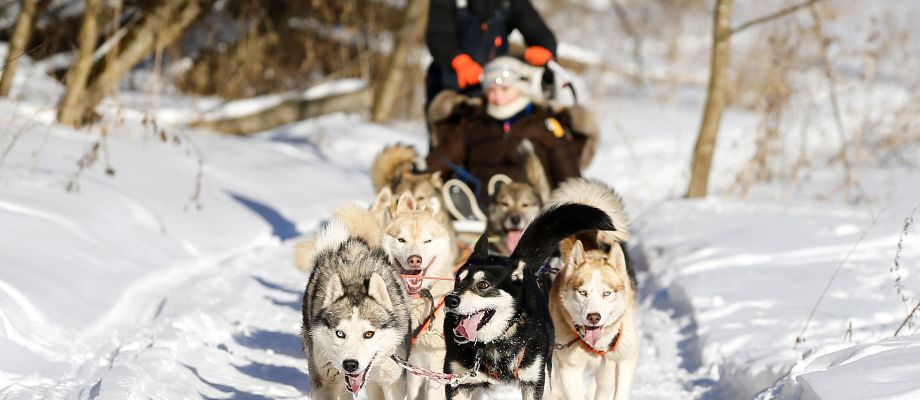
x=593, y=335
x=512, y=238
x=469, y=326
x=354, y=382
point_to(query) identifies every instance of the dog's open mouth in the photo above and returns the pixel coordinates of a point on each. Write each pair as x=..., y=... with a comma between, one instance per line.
x=354, y=382
x=591, y=334
x=512, y=237
x=414, y=278
x=467, y=329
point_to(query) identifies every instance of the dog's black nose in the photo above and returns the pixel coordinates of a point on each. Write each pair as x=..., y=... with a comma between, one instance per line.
x=452, y=301
x=350, y=365
x=515, y=219
x=594, y=318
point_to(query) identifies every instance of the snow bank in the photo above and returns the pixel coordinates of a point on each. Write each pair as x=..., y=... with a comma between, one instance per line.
x=749, y=272
x=886, y=368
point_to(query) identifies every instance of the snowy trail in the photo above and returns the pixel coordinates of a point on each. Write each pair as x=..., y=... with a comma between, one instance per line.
x=228, y=327
x=228, y=331
x=241, y=340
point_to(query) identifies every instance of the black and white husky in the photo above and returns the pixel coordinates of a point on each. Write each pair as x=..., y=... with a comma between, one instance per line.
x=497, y=321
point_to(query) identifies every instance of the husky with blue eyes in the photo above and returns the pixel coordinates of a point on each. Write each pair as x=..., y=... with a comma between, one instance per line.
x=498, y=321
x=355, y=313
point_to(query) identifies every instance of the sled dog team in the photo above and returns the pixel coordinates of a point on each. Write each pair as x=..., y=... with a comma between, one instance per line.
x=390, y=290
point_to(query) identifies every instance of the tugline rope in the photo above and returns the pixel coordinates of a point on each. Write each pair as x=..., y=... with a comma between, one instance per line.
x=407, y=276
x=464, y=254
x=434, y=376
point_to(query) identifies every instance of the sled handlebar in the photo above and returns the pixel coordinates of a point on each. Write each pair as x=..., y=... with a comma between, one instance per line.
x=564, y=75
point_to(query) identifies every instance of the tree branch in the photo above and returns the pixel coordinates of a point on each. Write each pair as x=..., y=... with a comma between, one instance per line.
x=776, y=15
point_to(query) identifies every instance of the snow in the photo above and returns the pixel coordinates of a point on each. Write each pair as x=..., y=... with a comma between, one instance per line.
x=886, y=368
x=166, y=270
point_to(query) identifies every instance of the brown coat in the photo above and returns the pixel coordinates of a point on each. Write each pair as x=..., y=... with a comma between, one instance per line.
x=469, y=138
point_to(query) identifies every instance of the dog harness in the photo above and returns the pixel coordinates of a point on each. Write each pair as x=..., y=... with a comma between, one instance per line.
x=517, y=366
x=427, y=323
x=464, y=254
x=588, y=347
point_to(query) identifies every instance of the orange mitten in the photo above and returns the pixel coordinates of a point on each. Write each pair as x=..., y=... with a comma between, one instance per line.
x=538, y=56
x=468, y=71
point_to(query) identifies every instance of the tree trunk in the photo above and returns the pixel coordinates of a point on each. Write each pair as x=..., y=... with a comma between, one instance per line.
x=289, y=111
x=407, y=37
x=22, y=34
x=715, y=100
x=72, y=106
x=157, y=29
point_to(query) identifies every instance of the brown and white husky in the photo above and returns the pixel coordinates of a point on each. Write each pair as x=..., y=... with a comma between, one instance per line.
x=593, y=303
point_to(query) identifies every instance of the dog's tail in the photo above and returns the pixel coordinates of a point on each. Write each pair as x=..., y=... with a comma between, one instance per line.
x=542, y=236
x=391, y=163
x=350, y=221
x=596, y=194
x=533, y=170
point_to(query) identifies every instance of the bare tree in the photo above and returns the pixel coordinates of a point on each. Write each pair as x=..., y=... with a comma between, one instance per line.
x=155, y=30
x=715, y=99
x=407, y=36
x=71, y=108
x=22, y=34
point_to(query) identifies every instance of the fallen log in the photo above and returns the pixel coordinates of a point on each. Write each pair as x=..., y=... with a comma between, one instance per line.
x=288, y=111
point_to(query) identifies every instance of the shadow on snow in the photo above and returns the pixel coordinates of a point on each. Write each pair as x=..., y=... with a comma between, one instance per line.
x=283, y=228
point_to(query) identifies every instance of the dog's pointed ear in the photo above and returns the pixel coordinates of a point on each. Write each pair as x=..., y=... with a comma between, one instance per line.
x=333, y=291
x=383, y=200
x=436, y=179
x=481, y=251
x=377, y=290
x=577, y=256
x=405, y=203
x=382, y=205
x=565, y=249
x=496, y=182
x=433, y=206
x=617, y=257
x=518, y=273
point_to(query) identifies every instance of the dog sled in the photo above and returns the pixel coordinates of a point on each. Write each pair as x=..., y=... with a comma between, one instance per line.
x=472, y=144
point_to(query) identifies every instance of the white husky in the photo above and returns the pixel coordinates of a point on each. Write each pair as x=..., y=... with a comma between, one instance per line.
x=421, y=249
x=593, y=303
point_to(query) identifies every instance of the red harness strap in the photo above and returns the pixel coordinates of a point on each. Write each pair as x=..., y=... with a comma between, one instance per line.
x=591, y=349
x=427, y=322
x=517, y=366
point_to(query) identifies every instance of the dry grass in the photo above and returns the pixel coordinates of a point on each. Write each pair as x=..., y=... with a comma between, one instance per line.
x=794, y=80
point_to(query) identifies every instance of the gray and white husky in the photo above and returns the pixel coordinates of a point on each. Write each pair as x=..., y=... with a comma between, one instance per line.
x=355, y=317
